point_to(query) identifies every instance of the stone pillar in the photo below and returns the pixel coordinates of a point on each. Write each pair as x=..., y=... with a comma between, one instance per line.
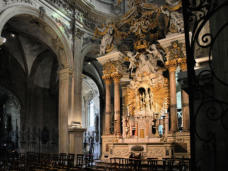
x=107, y=105
x=156, y=126
x=76, y=140
x=185, y=99
x=78, y=68
x=173, y=99
x=65, y=79
x=116, y=78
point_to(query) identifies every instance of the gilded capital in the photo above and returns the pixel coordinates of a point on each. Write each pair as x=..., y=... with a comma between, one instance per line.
x=171, y=65
x=175, y=50
x=183, y=63
x=116, y=77
x=106, y=77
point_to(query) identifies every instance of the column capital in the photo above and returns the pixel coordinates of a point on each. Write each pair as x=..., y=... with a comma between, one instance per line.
x=171, y=65
x=106, y=77
x=183, y=63
x=116, y=77
x=64, y=73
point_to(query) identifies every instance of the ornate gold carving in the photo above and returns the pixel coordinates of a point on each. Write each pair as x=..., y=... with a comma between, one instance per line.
x=147, y=95
x=183, y=63
x=175, y=51
x=141, y=44
x=171, y=65
x=130, y=101
x=160, y=97
x=106, y=77
x=116, y=76
x=109, y=68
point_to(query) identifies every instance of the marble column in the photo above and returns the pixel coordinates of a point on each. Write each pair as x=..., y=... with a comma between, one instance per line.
x=65, y=79
x=107, y=105
x=156, y=126
x=173, y=98
x=116, y=78
x=166, y=124
x=185, y=111
x=185, y=100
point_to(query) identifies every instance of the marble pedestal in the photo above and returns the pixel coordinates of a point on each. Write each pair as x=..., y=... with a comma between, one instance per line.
x=76, y=140
x=181, y=141
x=107, y=143
x=172, y=146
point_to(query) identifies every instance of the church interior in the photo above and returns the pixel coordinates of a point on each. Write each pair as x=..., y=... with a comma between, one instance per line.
x=113, y=85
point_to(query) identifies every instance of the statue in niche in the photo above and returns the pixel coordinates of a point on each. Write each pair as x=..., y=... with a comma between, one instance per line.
x=142, y=101
x=149, y=99
x=106, y=41
x=127, y=127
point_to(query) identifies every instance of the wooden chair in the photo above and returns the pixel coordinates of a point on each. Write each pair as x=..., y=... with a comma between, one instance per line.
x=62, y=163
x=170, y=164
x=80, y=161
x=70, y=160
x=54, y=160
x=152, y=164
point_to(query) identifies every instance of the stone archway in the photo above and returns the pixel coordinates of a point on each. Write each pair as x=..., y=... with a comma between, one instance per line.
x=57, y=41
x=91, y=116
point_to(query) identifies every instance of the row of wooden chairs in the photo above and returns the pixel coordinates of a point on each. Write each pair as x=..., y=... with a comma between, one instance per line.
x=150, y=164
x=30, y=161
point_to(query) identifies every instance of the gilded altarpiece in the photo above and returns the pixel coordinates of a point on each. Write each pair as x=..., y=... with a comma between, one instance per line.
x=137, y=52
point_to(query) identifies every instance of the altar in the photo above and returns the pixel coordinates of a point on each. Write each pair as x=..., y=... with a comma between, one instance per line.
x=140, y=77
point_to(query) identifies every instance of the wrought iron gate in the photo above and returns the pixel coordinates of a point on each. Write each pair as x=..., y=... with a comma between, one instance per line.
x=207, y=33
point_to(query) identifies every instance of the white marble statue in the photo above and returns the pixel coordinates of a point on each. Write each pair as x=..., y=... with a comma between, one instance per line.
x=155, y=52
x=106, y=41
x=132, y=61
x=145, y=65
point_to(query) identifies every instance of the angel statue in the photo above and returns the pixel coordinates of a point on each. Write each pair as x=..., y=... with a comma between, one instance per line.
x=132, y=61
x=106, y=41
x=155, y=52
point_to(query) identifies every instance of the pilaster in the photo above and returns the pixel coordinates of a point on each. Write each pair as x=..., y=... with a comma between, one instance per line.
x=65, y=85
